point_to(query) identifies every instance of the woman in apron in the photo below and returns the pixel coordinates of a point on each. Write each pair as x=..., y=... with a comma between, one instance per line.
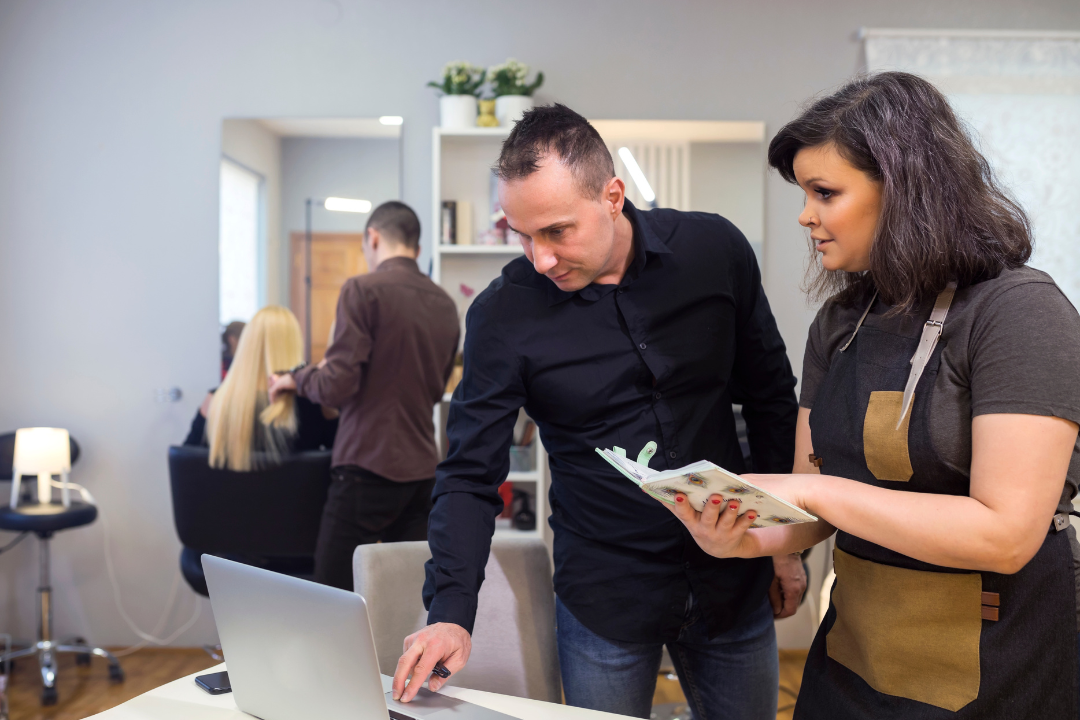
x=938, y=424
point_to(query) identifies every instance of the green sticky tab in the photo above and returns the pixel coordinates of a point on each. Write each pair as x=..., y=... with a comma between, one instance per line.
x=619, y=451
x=646, y=453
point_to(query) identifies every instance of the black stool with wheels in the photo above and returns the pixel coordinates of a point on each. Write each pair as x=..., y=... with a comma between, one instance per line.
x=44, y=520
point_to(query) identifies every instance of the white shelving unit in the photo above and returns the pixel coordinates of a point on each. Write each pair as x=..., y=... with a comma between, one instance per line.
x=480, y=250
x=461, y=162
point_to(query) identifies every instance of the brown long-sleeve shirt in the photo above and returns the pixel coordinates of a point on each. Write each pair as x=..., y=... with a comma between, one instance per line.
x=395, y=338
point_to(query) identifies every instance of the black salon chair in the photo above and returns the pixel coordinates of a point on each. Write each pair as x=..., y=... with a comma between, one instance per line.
x=268, y=518
x=43, y=520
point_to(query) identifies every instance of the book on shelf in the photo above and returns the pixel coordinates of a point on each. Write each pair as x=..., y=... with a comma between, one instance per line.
x=700, y=480
x=449, y=223
x=456, y=223
x=463, y=223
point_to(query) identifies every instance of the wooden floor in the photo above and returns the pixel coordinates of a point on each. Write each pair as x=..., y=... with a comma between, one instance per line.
x=668, y=692
x=85, y=691
x=791, y=667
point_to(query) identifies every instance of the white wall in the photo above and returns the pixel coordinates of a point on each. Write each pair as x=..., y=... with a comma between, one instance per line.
x=729, y=179
x=110, y=135
x=252, y=145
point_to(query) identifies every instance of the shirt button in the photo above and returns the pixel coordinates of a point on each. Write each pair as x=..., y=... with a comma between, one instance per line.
x=656, y=395
x=673, y=454
x=642, y=346
x=622, y=290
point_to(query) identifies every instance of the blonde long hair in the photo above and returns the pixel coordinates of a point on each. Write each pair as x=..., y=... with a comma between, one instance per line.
x=270, y=343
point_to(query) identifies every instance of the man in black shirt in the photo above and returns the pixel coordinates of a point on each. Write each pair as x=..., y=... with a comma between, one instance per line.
x=619, y=327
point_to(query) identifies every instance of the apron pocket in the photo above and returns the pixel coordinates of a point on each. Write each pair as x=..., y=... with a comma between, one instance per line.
x=908, y=633
x=885, y=445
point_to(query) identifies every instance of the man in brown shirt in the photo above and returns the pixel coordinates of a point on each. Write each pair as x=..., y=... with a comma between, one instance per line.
x=396, y=334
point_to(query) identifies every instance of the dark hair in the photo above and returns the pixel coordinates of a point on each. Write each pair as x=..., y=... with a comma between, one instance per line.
x=943, y=215
x=233, y=329
x=397, y=222
x=559, y=130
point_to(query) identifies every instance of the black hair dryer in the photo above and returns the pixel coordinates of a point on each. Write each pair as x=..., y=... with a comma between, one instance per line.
x=524, y=518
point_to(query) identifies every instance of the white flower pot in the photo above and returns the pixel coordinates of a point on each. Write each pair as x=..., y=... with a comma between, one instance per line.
x=510, y=108
x=457, y=112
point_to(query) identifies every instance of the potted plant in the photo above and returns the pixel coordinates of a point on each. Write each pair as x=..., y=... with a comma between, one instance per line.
x=513, y=95
x=460, y=85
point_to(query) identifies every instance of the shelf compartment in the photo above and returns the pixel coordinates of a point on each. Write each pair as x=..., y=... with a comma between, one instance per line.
x=511, y=532
x=480, y=249
x=495, y=132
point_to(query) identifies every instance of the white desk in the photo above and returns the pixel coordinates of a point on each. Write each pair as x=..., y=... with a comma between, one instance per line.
x=183, y=700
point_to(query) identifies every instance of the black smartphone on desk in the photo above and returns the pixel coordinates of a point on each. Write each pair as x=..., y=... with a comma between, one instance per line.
x=215, y=683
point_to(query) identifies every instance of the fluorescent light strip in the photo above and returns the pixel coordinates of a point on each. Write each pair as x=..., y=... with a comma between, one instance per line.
x=391, y=119
x=635, y=172
x=347, y=205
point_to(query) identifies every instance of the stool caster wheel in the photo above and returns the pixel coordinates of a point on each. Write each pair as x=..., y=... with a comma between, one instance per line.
x=81, y=659
x=48, y=696
x=116, y=674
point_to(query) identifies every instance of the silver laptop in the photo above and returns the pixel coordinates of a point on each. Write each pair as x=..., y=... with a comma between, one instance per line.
x=296, y=649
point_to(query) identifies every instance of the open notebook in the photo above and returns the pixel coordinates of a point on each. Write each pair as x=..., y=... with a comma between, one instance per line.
x=698, y=481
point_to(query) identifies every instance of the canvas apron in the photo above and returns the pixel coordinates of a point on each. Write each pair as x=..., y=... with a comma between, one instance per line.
x=903, y=638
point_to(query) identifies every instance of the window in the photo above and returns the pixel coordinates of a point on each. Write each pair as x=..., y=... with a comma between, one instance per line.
x=238, y=246
x=1020, y=91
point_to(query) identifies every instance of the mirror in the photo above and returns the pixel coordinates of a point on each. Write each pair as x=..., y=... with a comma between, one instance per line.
x=295, y=194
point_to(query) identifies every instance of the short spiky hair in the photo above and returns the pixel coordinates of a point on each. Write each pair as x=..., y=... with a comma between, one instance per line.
x=397, y=222
x=558, y=130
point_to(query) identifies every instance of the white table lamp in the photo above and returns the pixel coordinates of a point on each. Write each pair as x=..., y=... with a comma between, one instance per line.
x=43, y=452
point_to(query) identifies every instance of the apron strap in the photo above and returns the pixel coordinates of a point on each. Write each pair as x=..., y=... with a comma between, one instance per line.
x=930, y=334
x=1061, y=521
x=859, y=324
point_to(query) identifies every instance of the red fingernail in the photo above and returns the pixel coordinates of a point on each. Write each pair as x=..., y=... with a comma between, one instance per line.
x=716, y=501
x=678, y=498
x=734, y=506
x=753, y=516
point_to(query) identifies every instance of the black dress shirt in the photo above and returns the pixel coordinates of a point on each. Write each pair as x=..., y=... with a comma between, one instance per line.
x=662, y=356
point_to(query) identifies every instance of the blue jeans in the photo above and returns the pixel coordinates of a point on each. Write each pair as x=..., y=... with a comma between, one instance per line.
x=733, y=676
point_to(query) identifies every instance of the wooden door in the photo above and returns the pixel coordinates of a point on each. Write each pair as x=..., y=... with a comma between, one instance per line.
x=335, y=257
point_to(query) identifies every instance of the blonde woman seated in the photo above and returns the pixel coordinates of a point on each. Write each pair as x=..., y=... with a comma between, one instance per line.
x=238, y=420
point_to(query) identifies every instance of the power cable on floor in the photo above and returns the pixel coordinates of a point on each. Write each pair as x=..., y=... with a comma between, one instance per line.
x=145, y=637
x=13, y=543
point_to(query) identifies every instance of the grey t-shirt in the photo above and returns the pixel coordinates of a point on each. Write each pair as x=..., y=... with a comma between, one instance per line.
x=1010, y=345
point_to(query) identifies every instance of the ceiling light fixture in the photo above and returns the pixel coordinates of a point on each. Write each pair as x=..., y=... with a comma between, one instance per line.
x=639, y=177
x=391, y=119
x=347, y=205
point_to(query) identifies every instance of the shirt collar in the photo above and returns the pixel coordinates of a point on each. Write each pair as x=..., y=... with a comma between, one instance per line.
x=646, y=244
x=398, y=263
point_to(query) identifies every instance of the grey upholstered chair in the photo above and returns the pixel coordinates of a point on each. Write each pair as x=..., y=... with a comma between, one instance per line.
x=513, y=642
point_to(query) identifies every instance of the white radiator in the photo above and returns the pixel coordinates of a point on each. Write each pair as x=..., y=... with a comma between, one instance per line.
x=667, y=168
